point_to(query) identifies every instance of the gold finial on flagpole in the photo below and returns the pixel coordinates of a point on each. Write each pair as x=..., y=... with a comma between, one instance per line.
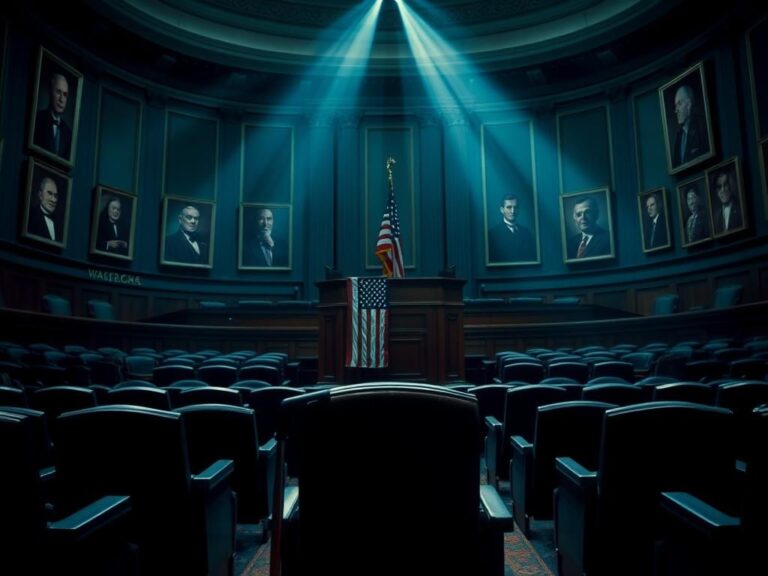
x=390, y=162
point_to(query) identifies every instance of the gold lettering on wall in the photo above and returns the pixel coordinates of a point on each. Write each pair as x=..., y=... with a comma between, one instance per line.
x=114, y=277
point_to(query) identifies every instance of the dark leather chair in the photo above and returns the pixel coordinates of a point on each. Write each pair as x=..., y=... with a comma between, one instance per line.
x=696, y=392
x=519, y=420
x=271, y=374
x=741, y=398
x=13, y=397
x=101, y=309
x=615, y=393
x=619, y=368
x=59, y=399
x=85, y=542
x=701, y=539
x=665, y=304
x=396, y=439
x=55, y=304
x=728, y=295
x=523, y=371
x=217, y=374
x=217, y=431
x=149, y=397
x=606, y=518
x=579, y=371
x=209, y=395
x=183, y=523
x=167, y=374
x=563, y=429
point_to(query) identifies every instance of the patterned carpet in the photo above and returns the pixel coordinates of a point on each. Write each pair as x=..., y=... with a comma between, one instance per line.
x=520, y=556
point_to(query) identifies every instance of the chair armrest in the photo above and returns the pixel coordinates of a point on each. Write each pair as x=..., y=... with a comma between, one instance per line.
x=492, y=448
x=267, y=467
x=496, y=512
x=700, y=516
x=575, y=473
x=290, y=501
x=214, y=476
x=520, y=445
x=47, y=475
x=92, y=518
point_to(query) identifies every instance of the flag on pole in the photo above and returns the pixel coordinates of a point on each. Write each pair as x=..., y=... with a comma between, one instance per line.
x=367, y=326
x=388, y=248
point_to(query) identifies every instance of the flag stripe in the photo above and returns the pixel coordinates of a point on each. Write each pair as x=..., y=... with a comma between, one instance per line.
x=367, y=333
x=388, y=248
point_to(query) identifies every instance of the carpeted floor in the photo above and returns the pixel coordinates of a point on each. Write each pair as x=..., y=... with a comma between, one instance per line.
x=520, y=556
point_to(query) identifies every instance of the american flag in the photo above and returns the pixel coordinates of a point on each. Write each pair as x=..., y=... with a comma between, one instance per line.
x=367, y=332
x=388, y=248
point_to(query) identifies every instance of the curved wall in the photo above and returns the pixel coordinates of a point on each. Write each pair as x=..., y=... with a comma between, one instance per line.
x=322, y=172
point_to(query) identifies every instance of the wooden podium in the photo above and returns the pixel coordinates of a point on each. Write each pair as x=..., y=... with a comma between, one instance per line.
x=426, y=332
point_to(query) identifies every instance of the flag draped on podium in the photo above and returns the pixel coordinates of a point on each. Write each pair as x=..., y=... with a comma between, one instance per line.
x=367, y=329
x=388, y=248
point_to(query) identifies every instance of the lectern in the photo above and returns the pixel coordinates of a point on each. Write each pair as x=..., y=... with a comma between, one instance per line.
x=426, y=332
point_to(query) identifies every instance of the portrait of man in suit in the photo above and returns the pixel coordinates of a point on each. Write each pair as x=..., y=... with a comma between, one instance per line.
x=655, y=226
x=113, y=223
x=509, y=240
x=694, y=212
x=57, y=101
x=686, y=119
x=264, y=236
x=585, y=238
x=725, y=200
x=47, y=205
x=187, y=245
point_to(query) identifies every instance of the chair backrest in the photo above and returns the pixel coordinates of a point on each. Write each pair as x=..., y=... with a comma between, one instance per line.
x=269, y=374
x=685, y=392
x=520, y=409
x=625, y=370
x=393, y=439
x=530, y=372
x=265, y=403
x=564, y=429
x=619, y=394
x=149, y=397
x=142, y=452
x=728, y=295
x=209, y=395
x=217, y=374
x=216, y=431
x=168, y=374
x=55, y=304
x=665, y=304
x=101, y=309
x=646, y=449
x=579, y=371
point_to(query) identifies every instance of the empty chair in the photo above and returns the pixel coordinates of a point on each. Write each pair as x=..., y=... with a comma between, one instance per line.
x=642, y=363
x=13, y=397
x=212, y=304
x=686, y=392
x=134, y=384
x=530, y=372
x=702, y=539
x=101, y=309
x=607, y=380
x=671, y=365
x=491, y=399
x=261, y=372
x=265, y=403
x=624, y=370
x=217, y=374
x=665, y=304
x=209, y=395
x=578, y=371
x=87, y=542
x=215, y=432
x=250, y=385
x=55, y=304
x=220, y=361
x=742, y=398
x=168, y=374
x=614, y=393
x=176, y=388
x=748, y=369
x=605, y=519
x=519, y=420
x=728, y=295
x=563, y=429
x=139, y=367
x=454, y=527
x=140, y=396
x=59, y=399
x=182, y=522
x=704, y=370
x=40, y=447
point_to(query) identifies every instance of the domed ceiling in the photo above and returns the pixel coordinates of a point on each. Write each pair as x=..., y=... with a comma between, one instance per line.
x=290, y=34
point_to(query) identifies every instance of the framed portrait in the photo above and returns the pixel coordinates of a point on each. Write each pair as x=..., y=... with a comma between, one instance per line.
x=586, y=226
x=695, y=222
x=46, y=206
x=726, y=198
x=55, y=108
x=654, y=219
x=686, y=120
x=511, y=231
x=265, y=236
x=113, y=223
x=187, y=232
